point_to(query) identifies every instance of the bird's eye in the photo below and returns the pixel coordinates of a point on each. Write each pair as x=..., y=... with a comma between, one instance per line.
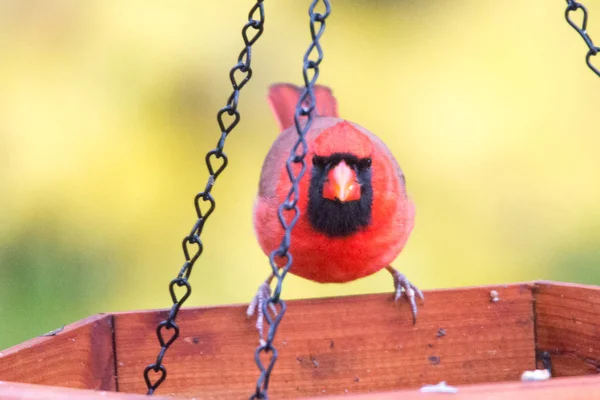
x=318, y=161
x=364, y=163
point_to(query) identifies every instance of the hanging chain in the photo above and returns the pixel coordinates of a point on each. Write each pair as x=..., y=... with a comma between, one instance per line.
x=304, y=112
x=573, y=6
x=204, y=201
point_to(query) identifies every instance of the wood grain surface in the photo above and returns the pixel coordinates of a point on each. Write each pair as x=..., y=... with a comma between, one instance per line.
x=580, y=388
x=568, y=327
x=339, y=345
x=23, y=391
x=80, y=356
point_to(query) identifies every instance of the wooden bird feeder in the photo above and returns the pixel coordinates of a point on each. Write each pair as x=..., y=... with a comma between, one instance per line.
x=477, y=340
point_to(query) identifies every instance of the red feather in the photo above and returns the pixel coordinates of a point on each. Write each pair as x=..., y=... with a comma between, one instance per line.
x=283, y=98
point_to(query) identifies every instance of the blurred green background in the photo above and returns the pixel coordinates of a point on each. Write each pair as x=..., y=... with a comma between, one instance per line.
x=107, y=109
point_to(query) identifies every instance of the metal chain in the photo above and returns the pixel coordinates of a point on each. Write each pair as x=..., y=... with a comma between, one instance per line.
x=304, y=112
x=573, y=6
x=204, y=201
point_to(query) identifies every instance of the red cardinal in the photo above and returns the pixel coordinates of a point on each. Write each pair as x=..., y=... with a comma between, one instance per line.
x=356, y=215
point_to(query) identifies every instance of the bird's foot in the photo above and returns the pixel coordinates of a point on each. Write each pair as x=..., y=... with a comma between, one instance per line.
x=403, y=285
x=256, y=306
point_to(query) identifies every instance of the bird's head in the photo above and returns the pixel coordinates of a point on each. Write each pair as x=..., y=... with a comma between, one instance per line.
x=340, y=192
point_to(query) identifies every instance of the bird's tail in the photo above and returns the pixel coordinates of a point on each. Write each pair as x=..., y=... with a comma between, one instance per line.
x=283, y=98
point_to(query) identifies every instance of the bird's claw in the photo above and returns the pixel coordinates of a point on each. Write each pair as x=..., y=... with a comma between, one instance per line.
x=403, y=285
x=256, y=306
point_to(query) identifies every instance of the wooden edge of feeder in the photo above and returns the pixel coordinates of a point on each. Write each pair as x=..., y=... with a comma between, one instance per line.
x=308, y=300
x=79, y=355
x=49, y=336
x=533, y=285
x=14, y=390
x=546, y=283
x=574, y=388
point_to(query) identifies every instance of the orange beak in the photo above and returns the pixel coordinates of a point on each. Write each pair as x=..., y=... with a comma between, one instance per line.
x=341, y=184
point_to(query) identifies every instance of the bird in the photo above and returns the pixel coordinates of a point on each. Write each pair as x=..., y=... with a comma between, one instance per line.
x=355, y=213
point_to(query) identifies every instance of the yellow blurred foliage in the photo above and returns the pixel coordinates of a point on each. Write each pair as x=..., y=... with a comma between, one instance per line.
x=107, y=109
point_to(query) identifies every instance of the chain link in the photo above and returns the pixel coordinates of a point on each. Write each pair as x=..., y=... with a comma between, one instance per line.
x=216, y=161
x=573, y=6
x=288, y=211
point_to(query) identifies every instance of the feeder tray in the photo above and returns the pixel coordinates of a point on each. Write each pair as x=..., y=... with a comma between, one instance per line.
x=365, y=345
